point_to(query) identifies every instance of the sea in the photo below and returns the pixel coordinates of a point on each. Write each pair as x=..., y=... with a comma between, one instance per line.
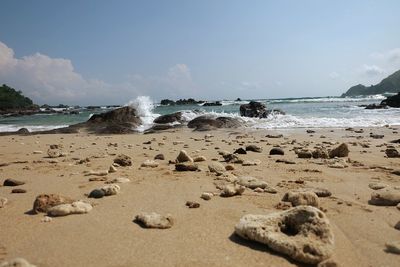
x=306, y=112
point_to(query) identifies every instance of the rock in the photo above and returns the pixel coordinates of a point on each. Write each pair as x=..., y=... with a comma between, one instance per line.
x=303, y=233
x=320, y=153
x=154, y=220
x=54, y=153
x=159, y=157
x=387, y=197
x=12, y=182
x=97, y=173
x=206, y=122
x=398, y=206
x=111, y=189
x=258, y=190
x=119, y=180
x=392, y=153
x=310, y=131
x=392, y=101
x=397, y=226
x=285, y=161
x=328, y=263
x=304, y=154
x=229, y=167
x=149, y=164
x=18, y=191
x=216, y=167
x=341, y=151
x=37, y=152
x=257, y=110
x=277, y=151
x=240, y=150
x=192, y=204
x=17, y=262
x=169, y=118
x=254, y=148
x=376, y=136
x=206, y=195
x=274, y=135
x=320, y=192
x=3, y=202
x=46, y=219
x=251, y=162
x=44, y=202
x=112, y=169
x=270, y=189
x=298, y=198
x=232, y=190
x=232, y=158
x=96, y=193
x=199, y=159
x=77, y=207
x=183, y=157
x=393, y=247
x=377, y=186
x=123, y=160
x=181, y=167
x=97, y=179
x=251, y=182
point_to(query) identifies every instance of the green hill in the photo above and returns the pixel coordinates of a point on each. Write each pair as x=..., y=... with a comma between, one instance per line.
x=391, y=84
x=11, y=99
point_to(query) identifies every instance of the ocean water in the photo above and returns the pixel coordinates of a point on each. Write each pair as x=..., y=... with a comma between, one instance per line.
x=315, y=112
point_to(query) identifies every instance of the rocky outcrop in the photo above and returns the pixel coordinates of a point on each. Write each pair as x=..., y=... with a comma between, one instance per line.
x=208, y=123
x=392, y=101
x=44, y=202
x=257, y=110
x=169, y=118
x=303, y=233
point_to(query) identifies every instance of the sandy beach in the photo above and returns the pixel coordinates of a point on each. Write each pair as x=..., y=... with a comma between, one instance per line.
x=204, y=236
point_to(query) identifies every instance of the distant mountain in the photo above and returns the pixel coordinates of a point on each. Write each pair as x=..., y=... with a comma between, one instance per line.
x=11, y=99
x=391, y=84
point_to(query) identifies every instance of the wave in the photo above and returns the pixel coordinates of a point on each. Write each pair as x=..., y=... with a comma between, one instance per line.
x=31, y=128
x=144, y=107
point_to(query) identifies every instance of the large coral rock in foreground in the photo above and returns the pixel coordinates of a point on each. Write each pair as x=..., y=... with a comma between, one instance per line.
x=44, y=202
x=302, y=233
x=385, y=197
x=77, y=207
x=154, y=220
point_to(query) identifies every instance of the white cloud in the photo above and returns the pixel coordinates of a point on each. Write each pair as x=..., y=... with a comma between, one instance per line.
x=54, y=80
x=390, y=56
x=334, y=75
x=372, y=70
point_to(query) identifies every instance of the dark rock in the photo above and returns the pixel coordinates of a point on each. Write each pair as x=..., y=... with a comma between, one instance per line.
x=320, y=154
x=192, y=204
x=392, y=153
x=276, y=151
x=376, y=136
x=123, y=160
x=392, y=101
x=285, y=161
x=23, y=131
x=375, y=106
x=45, y=201
x=181, y=167
x=159, y=157
x=18, y=191
x=169, y=118
x=341, y=151
x=304, y=154
x=254, y=148
x=97, y=193
x=212, y=104
x=257, y=110
x=12, y=182
x=274, y=136
x=240, y=150
x=310, y=131
x=208, y=122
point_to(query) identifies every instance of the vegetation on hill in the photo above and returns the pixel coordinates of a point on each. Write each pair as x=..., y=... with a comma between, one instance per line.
x=11, y=99
x=390, y=84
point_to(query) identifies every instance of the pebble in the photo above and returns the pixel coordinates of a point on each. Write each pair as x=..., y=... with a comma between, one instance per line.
x=112, y=169
x=37, y=152
x=254, y=148
x=251, y=162
x=96, y=193
x=77, y=207
x=229, y=167
x=183, y=157
x=206, y=195
x=232, y=190
x=251, y=182
x=393, y=247
x=154, y=220
x=17, y=262
x=298, y=198
x=392, y=153
x=123, y=160
x=111, y=189
x=3, y=202
x=304, y=154
x=216, y=167
x=341, y=151
x=277, y=151
x=46, y=219
x=377, y=186
x=149, y=164
x=192, y=204
x=181, y=167
x=12, y=182
x=44, y=202
x=199, y=159
x=54, y=153
x=240, y=150
x=159, y=157
x=119, y=180
x=18, y=191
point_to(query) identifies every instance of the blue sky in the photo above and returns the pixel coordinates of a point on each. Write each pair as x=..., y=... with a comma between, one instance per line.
x=100, y=52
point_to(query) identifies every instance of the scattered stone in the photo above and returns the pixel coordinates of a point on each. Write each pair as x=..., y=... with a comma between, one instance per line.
x=119, y=180
x=206, y=195
x=377, y=186
x=320, y=192
x=77, y=207
x=96, y=193
x=37, y=152
x=258, y=190
x=328, y=263
x=320, y=153
x=199, y=159
x=111, y=189
x=123, y=160
x=376, y=136
x=112, y=169
x=251, y=162
x=46, y=219
x=270, y=189
x=274, y=136
x=182, y=167
x=149, y=164
x=54, y=153
x=12, y=182
x=159, y=157
x=154, y=220
x=232, y=190
x=304, y=154
x=341, y=151
x=183, y=157
x=229, y=167
x=298, y=198
x=254, y=148
x=97, y=179
x=310, y=131
x=18, y=191
x=17, y=262
x=285, y=161
x=232, y=158
x=96, y=173
x=283, y=205
x=393, y=247
x=3, y=202
x=44, y=202
x=397, y=226
x=251, y=182
x=388, y=197
x=277, y=151
x=392, y=153
x=398, y=206
x=216, y=167
x=303, y=233
x=240, y=150
x=192, y=204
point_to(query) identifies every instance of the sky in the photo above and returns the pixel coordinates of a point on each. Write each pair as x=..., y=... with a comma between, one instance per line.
x=109, y=52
